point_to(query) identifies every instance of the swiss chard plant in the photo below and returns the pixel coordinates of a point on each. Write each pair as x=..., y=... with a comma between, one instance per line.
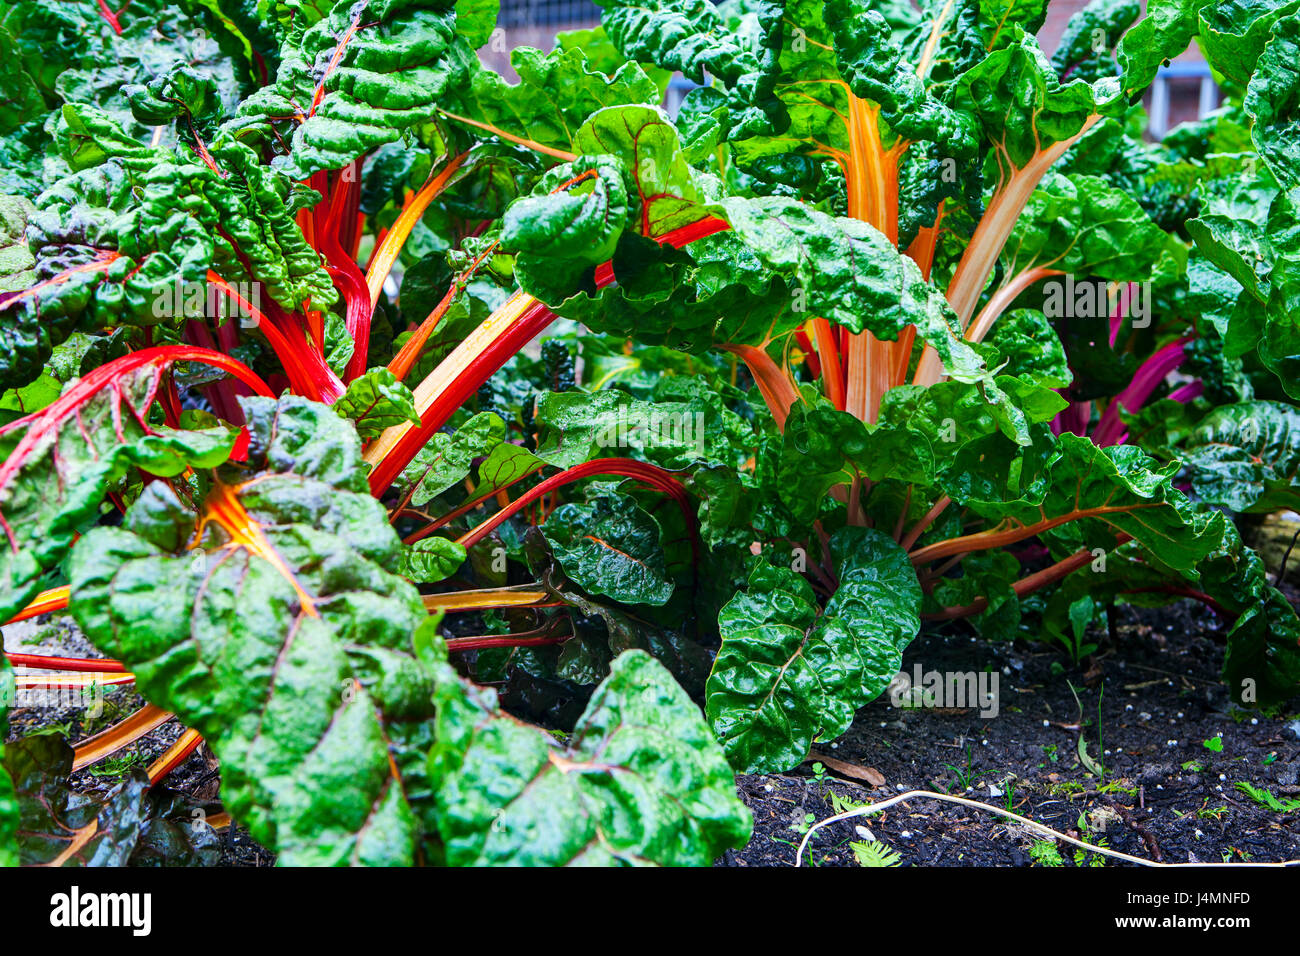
x=895, y=320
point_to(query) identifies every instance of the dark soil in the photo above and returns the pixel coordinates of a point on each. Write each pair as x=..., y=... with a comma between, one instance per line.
x=1146, y=704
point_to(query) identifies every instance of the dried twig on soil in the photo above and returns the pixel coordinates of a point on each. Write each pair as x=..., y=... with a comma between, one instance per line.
x=1032, y=824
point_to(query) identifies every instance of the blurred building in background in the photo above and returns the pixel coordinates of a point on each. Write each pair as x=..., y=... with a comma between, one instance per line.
x=1184, y=90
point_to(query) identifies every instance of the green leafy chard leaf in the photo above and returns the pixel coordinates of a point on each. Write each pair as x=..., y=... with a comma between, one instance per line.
x=789, y=672
x=269, y=625
x=1273, y=101
x=1082, y=225
x=447, y=459
x=555, y=95
x=1099, y=492
x=639, y=781
x=15, y=259
x=376, y=401
x=431, y=560
x=1161, y=35
x=1233, y=34
x=9, y=813
x=695, y=37
x=1031, y=349
x=1024, y=108
x=611, y=546
x=650, y=148
x=1246, y=456
x=570, y=224
x=356, y=79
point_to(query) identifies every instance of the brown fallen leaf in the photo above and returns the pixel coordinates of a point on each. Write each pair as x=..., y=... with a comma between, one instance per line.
x=851, y=770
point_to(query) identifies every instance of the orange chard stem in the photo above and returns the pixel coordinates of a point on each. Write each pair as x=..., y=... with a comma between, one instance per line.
x=386, y=252
x=1002, y=299
x=174, y=756
x=778, y=391
x=401, y=364
x=536, y=147
x=976, y=264
x=55, y=599
x=832, y=368
x=108, y=742
x=455, y=601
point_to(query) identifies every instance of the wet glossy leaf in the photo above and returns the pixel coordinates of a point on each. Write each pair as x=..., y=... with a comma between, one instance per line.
x=639, y=781
x=791, y=672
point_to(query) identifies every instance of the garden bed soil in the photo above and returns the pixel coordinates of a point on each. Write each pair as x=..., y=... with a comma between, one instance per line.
x=1146, y=704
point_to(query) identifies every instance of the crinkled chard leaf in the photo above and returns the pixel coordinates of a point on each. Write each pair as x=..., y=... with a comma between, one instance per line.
x=1246, y=457
x=356, y=79
x=447, y=459
x=650, y=149
x=555, y=95
x=639, y=781
x=1161, y=35
x=1024, y=108
x=697, y=38
x=271, y=626
x=431, y=559
x=127, y=239
x=611, y=546
x=375, y=401
x=790, y=672
x=1093, y=493
x=571, y=223
x=1271, y=99
x=15, y=258
x=61, y=462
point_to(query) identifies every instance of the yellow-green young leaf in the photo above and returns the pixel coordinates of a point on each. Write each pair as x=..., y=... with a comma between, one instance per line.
x=790, y=672
x=639, y=781
x=651, y=151
x=555, y=94
x=269, y=623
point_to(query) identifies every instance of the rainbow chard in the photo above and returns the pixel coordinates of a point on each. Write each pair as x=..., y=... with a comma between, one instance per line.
x=270, y=417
